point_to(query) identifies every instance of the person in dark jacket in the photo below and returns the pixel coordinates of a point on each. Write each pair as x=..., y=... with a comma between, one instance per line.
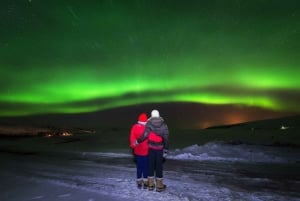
x=157, y=134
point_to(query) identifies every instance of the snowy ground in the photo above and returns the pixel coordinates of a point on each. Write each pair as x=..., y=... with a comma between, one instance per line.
x=214, y=171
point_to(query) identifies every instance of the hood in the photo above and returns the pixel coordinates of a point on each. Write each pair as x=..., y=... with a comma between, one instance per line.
x=156, y=121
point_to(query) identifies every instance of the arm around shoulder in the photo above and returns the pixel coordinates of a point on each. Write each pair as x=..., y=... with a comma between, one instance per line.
x=144, y=136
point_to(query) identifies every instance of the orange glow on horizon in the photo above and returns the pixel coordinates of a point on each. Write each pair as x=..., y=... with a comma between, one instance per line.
x=224, y=120
x=205, y=124
x=236, y=119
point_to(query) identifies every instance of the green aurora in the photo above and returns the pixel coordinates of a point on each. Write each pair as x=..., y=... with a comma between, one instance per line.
x=81, y=56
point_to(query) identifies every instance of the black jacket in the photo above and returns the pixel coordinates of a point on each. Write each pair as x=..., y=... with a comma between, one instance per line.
x=158, y=126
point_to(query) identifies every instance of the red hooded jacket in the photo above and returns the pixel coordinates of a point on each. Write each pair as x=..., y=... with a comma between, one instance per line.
x=136, y=132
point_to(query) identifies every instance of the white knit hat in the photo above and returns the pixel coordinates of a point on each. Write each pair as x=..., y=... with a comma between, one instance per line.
x=154, y=113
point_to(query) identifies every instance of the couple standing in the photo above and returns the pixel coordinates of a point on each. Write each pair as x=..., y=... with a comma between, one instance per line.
x=149, y=139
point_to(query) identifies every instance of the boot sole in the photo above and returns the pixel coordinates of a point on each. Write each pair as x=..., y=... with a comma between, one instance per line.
x=151, y=188
x=160, y=190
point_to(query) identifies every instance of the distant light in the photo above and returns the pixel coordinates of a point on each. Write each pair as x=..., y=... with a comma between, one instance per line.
x=284, y=127
x=66, y=134
x=49, y=135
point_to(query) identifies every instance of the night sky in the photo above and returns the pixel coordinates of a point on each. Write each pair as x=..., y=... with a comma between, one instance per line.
x=72, y=57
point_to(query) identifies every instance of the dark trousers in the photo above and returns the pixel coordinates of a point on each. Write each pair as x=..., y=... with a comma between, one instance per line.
x=141, y=167
x=155, y=163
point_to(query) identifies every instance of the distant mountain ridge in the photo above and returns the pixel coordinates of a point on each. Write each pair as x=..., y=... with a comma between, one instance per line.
x=177, y=115
x=273, y=123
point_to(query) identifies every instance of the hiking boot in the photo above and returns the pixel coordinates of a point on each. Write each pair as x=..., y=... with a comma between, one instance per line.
x=151, y=183
x=139, y=183
x=145, y=183
x=159, y=185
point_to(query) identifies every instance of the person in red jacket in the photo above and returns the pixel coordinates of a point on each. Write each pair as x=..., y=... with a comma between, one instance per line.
x=140, y=151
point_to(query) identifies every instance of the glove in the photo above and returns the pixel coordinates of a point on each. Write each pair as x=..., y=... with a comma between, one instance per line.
x=165, y=153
